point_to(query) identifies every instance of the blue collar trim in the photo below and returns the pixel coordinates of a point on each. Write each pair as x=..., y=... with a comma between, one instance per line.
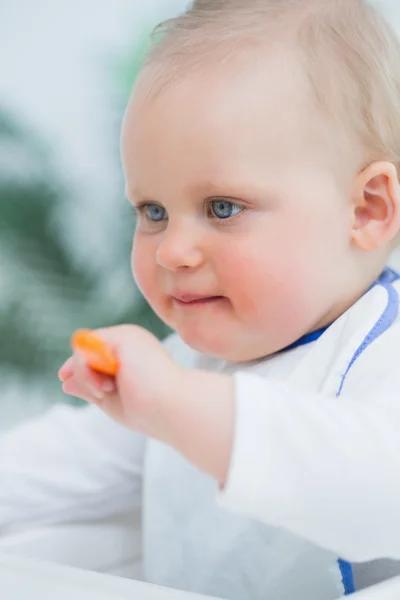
x=387, y=277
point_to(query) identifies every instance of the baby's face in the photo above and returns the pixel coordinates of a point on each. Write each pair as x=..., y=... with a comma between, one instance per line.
x=243, y=232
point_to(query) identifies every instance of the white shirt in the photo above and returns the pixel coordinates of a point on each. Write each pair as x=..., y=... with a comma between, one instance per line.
x=312, y=477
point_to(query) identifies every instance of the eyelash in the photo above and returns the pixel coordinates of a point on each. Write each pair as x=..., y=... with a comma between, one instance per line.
x=228, y=220
x=139, y=210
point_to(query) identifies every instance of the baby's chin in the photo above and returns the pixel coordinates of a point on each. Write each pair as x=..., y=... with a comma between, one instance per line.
x=220, y=347
x=229, y=343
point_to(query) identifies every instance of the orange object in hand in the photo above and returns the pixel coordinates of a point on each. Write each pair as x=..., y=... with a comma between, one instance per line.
x=96, y=352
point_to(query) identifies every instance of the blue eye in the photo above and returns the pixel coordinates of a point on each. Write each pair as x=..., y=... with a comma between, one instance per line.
x=222, y=209
x=155, y=212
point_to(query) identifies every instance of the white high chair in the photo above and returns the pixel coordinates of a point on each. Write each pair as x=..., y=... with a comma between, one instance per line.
x=113, y=547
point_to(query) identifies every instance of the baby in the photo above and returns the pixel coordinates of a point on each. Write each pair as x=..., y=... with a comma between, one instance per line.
x=261, y=149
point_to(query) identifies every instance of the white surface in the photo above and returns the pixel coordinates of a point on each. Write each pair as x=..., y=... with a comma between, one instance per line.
x=110, y=545
x=390, y=590
x=21, y=579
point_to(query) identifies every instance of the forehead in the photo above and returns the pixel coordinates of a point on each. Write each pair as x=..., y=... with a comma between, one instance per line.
x=249, y=114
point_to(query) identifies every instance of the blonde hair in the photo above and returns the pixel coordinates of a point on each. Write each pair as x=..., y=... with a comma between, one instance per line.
x=349, y=52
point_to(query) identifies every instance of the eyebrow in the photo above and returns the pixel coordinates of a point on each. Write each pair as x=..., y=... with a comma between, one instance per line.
x=228, y=189
x=133, y=195
x=205, y=189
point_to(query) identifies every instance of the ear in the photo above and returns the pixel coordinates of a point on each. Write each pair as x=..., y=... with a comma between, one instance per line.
x=376, y=204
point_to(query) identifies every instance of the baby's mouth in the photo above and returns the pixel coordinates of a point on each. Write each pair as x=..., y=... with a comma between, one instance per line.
x=195, y=299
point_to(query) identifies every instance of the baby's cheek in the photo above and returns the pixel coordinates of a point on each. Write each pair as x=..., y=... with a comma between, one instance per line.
x=146, y=275
x=245, y=282
x=268, y=290
x=142, y=269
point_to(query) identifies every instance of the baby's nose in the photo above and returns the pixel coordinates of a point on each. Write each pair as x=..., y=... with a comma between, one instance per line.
x=179, y=248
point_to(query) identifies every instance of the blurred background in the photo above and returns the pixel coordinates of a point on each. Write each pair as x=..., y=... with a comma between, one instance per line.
x=65, y=228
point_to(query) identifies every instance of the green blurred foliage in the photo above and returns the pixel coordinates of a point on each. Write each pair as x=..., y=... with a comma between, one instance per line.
x=45, y=291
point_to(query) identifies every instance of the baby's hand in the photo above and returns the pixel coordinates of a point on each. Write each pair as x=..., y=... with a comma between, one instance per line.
x=141, y=395
x=191, y=410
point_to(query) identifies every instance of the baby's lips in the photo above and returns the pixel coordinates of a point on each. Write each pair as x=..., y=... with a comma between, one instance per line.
x=97, y=354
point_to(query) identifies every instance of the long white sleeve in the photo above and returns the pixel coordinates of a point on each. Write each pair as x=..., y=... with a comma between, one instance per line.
x=68, y=465
x=72, y=464
x=326, y=469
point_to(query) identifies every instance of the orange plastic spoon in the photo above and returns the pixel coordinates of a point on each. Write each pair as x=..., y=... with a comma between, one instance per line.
x=95, y=351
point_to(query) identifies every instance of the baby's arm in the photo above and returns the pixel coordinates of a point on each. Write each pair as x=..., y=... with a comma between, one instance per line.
x=70, y=464
x=327, y=469
x=323, y=468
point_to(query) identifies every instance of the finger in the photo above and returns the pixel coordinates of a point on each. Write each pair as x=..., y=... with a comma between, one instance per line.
x=72, y=387
x=95, y=381
x=108, y=403
x=67, y=370
x=85, y=376
x=103, y=383
x=109, y=385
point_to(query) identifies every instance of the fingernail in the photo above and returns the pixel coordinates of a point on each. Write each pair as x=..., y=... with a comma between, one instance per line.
x=97, y=394
x=108, y=387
